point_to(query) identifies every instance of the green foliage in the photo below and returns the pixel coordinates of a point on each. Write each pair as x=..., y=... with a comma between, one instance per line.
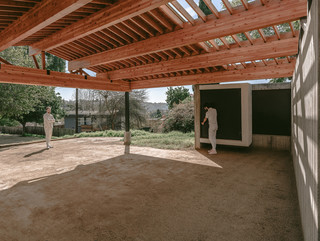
x=176, y=95
x=280, y=80
x=26, y=103
x=19, y=55
x=157, y=114
x=8, y=122
x=204, y=8
x=180, y=117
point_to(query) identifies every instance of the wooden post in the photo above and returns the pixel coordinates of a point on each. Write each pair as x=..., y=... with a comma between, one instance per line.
x=43, y=59
x=197, y=108
x=77, y=117
x=127, y=134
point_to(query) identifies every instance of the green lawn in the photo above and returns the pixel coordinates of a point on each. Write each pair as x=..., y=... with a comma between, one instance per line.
x=171, y=140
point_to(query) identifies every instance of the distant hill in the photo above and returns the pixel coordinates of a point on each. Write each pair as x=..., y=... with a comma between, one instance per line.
x=152, y=107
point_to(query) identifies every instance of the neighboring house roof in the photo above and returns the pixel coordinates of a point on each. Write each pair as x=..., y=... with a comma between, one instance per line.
x=86, y=113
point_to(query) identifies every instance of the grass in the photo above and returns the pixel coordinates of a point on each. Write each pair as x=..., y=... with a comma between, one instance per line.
x=174, y=140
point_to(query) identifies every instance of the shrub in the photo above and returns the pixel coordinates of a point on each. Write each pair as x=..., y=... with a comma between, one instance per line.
x=180, y=117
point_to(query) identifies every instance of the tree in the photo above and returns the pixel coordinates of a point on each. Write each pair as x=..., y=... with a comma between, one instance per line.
x=176, y=95
x=157, y=114
x=112, y=104
x=180, y=117
x=23, y=103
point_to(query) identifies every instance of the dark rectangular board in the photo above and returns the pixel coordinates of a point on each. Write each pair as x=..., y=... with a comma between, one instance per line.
x=228, y=105
x=271, y=112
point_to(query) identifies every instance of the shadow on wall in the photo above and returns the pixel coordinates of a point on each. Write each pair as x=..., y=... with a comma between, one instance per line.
x=305, y=131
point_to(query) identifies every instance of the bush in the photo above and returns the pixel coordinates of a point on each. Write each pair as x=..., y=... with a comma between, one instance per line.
x=180, y=117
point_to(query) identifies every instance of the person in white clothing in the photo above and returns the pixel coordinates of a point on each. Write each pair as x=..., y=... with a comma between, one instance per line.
x=48, y=121
x=211, y=116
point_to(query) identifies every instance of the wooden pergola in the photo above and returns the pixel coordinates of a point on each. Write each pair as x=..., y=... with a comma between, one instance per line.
x=134, y=44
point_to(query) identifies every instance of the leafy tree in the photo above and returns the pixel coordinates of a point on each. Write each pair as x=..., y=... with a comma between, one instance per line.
x=176, y=95
x=204, y=8
x=156, y=114
x=180, y=117
x=23, y=103
x=112, y=104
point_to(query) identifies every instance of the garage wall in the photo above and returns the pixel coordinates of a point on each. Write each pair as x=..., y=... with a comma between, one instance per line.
x=305, y=122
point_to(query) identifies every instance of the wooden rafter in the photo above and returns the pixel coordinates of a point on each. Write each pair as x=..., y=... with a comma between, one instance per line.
x=276, y=13
x=271, y=49
x=35, y=62
x=21, y=75
x=42, y=15
x=250, y=73
x=212, y=8
x=116, y=13
x=2, y=60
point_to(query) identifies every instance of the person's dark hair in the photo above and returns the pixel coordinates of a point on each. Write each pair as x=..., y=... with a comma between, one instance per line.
x=209, y=105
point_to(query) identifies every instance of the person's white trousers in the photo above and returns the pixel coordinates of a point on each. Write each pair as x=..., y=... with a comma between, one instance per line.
x=48, y=132
x=212, y=137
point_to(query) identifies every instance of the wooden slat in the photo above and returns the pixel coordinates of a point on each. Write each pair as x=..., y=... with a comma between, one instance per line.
x=35, y=62
x=151, y=22
x=271, y=49
x=196, y=8
x=212, y=8
x=2, y=60
x=245, y=4
x=116, y=13
x=278, y=12
x=252, y=73
x=43, y=60
x=276, y=30
x=42, y=15
x=164, y=21
x=21, y=75
x=228, y=6
x=181, y=9
x=262, y=34
x=292, y=29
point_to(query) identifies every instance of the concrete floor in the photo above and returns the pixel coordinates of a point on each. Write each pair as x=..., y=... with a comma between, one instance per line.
x=87, y=189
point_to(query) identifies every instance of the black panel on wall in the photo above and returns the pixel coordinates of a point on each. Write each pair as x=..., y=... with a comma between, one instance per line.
x=271, y=112
x=228, y=105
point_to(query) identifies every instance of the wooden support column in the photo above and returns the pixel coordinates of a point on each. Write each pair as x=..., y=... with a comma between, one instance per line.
x=43, y=59
x=127, y=134
x=197, y=120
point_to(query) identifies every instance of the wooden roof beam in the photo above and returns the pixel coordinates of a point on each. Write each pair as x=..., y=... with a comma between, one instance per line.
x=29, y=76
x=274, y=13
x=284, y=47
x=252, y=73
x=116, y=13
x=40, y=16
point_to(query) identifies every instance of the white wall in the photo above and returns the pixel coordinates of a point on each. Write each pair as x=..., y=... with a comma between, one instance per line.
x=305, y=123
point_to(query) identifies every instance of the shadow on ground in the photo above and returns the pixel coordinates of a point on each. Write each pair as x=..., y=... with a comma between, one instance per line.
x=139, y=197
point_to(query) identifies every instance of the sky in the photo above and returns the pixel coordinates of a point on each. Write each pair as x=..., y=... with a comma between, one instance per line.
x=157, y=94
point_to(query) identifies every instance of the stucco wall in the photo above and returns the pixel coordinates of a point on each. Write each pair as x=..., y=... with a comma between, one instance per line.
x=305, y=123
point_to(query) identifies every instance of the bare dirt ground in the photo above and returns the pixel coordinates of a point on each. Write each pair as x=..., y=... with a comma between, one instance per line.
x=87, y=189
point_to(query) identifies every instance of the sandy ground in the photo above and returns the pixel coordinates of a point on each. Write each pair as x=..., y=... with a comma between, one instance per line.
x=87, y=189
